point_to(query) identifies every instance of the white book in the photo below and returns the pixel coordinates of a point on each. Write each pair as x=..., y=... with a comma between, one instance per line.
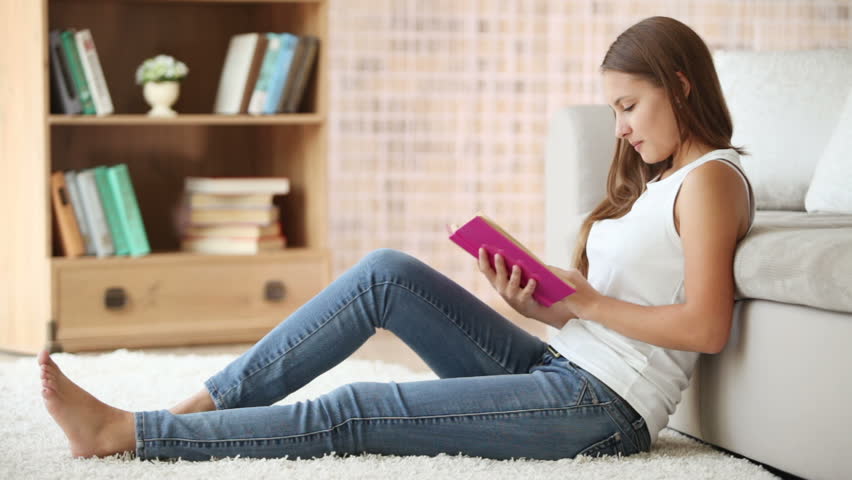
x=93, y=72
x=237, y=185
x=94, y=211
x=235, y=73
x=230, y=246
x=77, y=205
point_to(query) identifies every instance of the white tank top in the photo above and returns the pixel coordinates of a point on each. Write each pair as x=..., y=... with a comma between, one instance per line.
x=638, y=258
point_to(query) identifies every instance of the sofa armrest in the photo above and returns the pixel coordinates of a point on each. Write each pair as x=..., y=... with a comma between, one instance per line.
x=579, y=151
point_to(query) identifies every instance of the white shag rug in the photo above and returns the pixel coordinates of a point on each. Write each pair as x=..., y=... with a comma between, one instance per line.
x=33, y=446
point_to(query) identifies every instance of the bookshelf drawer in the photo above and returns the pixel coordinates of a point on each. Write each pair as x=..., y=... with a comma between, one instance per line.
x=211, y=300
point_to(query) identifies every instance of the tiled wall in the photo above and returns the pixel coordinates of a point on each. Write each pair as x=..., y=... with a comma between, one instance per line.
x=439, y=108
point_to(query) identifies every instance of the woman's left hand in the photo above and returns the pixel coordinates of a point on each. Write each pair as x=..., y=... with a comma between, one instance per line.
x=581, y=302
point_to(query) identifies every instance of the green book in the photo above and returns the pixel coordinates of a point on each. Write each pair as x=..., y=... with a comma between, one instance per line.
x=69, y=46
x=128, y=209
x=116, y=228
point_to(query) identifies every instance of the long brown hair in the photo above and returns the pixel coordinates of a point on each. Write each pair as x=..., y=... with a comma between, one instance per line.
x=655, y=49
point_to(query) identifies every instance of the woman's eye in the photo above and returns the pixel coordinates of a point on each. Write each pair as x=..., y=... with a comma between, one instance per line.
x=627, y=109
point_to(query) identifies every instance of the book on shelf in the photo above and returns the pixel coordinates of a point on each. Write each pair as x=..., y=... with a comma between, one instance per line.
x=233, y=245
x=212, y=215
x=483, y=232
x=233, y=215
x=77, y=204
x=103, y=203
x=279, y=77
x=304, y=62
x=237, y=185
x=94, y=213
x=129, y=216
x=69, y=47
x=233, y=230
x=265, y=73
x=111, y=212
x=64, y=97
x=63, y=212
x=244, y=200
x=267, y=70
x=77, y=82
x=93, y=72
x=235, y=73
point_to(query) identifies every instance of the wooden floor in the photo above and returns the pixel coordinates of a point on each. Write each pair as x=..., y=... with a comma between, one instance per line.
x=384, y=346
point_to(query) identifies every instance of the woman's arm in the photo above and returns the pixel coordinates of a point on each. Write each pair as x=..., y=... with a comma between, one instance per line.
x=713, y=213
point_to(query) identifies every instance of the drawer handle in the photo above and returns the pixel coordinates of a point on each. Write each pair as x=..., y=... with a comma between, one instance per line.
x=115, y=298
x=275, y=291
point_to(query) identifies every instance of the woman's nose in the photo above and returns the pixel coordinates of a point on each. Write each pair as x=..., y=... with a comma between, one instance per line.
x=621, y=129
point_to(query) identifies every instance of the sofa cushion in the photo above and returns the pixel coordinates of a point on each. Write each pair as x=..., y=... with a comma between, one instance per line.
x=784, y=106
x=799, y=258
x=831, y=187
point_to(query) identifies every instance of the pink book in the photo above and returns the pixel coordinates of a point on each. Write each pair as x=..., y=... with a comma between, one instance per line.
x=483, y=232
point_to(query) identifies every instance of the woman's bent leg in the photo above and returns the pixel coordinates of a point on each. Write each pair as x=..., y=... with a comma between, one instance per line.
x=556, y=411
x=454, y=332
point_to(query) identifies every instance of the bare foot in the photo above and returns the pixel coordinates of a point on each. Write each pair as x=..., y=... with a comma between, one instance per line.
x=93, y=428
x=199, y=402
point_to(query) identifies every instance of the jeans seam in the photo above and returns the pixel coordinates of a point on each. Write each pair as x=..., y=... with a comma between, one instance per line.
x=369, y=419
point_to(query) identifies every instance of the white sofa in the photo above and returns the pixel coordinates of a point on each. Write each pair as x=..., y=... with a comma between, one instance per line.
x=780, y=393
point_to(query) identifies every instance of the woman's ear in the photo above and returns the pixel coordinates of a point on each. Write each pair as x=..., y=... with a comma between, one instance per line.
x=684, y=83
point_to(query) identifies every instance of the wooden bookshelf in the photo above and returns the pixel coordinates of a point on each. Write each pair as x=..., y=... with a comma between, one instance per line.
x=169, y=297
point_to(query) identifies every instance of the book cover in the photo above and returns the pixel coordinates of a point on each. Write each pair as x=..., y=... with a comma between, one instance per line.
x=77, y=204
x=94, y=212
x=285, y=60
x=93, y=72
x=254, y=71
x=267, y=71
x=235, y=71
x=64, y=97
x=128, y=210
x=63, y=212
x=72, y=57
x=483, y=232
x=110, y=206
x=294, y=100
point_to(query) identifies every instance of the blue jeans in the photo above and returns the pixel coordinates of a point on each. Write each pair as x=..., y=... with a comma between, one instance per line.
x=501, y=394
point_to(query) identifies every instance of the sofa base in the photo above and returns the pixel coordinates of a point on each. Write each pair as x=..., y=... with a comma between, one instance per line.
x=780, y=390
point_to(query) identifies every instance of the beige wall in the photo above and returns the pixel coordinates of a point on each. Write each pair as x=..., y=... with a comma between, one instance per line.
x=440, y=107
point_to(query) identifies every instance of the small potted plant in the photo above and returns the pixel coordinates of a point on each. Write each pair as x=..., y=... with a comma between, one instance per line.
x=160, y=77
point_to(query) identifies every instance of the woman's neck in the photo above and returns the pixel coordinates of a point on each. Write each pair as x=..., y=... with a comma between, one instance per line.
x=688, y=153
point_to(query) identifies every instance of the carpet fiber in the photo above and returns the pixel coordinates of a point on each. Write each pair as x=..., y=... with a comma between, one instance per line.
x=33, y=446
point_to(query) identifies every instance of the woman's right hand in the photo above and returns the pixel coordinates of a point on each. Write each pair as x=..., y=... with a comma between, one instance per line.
x=508, y=285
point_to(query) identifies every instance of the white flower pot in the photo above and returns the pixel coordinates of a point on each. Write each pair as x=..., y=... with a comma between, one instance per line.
x=161, y=96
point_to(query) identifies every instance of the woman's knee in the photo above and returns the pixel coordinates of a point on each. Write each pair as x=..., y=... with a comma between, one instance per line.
x=389, y=260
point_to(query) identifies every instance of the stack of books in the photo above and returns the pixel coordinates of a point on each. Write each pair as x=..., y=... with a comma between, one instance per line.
x=232, y=216
x=97, y=212
x=77, y=81
x=265, y=73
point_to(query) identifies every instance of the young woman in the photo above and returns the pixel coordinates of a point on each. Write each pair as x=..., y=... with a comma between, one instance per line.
x=658, y=253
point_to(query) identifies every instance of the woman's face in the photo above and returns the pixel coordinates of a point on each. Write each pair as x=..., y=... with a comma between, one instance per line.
x=643, y=115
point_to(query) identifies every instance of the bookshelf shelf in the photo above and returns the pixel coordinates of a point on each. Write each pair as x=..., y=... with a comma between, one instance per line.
x=185, y=258
x=167, y=298
x=188, y=119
